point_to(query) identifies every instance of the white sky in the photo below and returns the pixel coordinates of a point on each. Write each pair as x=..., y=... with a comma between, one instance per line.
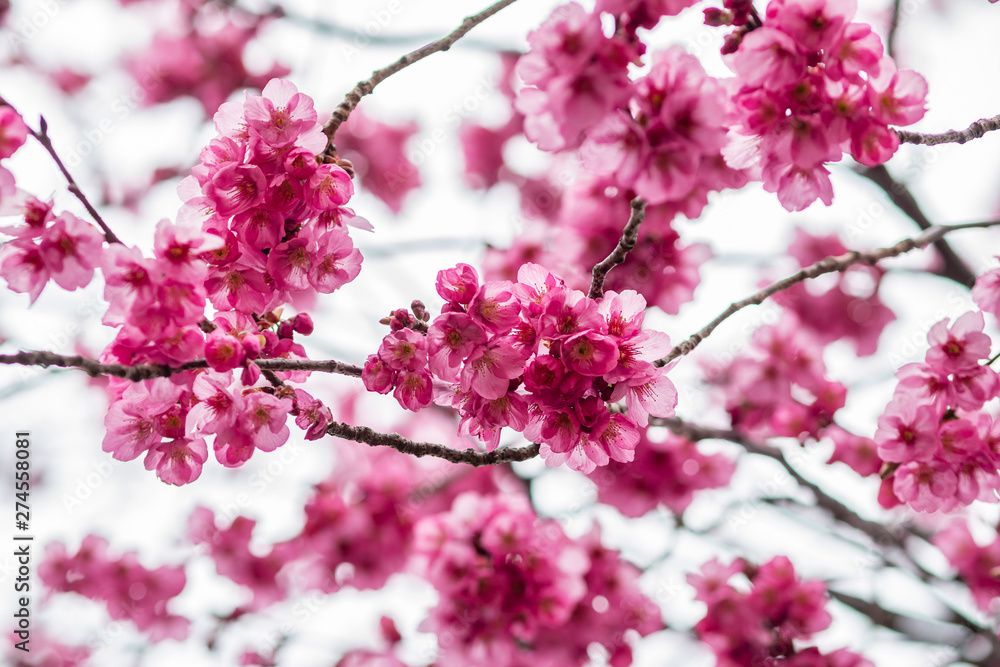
x=955, y=52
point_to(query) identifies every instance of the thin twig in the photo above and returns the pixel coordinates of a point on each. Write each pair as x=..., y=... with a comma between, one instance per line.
x=827, y=265
x=42, y=135
x=418, y=449
x=974, y=131
x=890, y=38
x=954, y=267
x=146, y=371
x=378, y=76
x=360, y=38
x=629, y=236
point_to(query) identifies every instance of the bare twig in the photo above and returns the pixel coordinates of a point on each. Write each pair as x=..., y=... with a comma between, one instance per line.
x=890, y=38
x=368, y=85
x=828, y=265
x=621, y=251
x=146, y=371
x=418, y=449
x=359, y=37
x=42, y=135
x=954, y=267
x=974, y=131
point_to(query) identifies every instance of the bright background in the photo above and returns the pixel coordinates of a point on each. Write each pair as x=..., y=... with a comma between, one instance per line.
x=78, y=489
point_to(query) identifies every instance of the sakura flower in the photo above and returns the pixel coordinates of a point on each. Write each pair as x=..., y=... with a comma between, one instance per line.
x=960, y=347
x=235, y=188
x=328, y=187
x=178, y=461
x=907, y=431
x=280, y=114
x=451, y=338
x=336, y=261
x=490, y=368
x=495, y=307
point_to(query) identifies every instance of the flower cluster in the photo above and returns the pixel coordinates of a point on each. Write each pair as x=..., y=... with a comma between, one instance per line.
x=272, y=231
x=665, y=472
x=668, y=147
x=761, y=626
x=574, y=76
x=198, y=58
x=810, y=86
x=129, y=590
x=977, y=565
x=230, y=549
x=944, y=452
x=507, y=580
x=279, y=213
x=780, y=389
x=572, y=355
x=376, y=152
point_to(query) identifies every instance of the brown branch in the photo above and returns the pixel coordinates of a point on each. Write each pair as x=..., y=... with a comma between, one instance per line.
x=378, y=76
x=974, y=131
x=954, y=267
x=827, y=265
x=146, y=371
x=930, y=631
x=418, y=449
x=629, y=236
x=42, y=135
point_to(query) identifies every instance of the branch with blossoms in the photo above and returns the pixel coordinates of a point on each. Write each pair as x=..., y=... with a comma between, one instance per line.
x=42, y=136
x=827, y=265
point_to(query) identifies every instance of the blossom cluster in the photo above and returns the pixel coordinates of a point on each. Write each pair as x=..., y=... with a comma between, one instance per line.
x=977, y=565
x=942, y=449
x=573, y=76
x=665, y=472
x=375, y=151
x=62, y=248
x=198, y=58
x=272, y=231
x=507, y=580
x=763, y=625
x=780, y=387
x=130, y=591
x=279, y=213
x=812, y=84
x=667, y=147
x=572, y=355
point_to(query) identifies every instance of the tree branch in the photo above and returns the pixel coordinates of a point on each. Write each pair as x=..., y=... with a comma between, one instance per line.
x=974, y=131
x=42, y=135
x=629, y=236
x=827, y=265
x=954, y=267
x=147, y=371
x=693, y=432
x=418, y=449
x=378, y=76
